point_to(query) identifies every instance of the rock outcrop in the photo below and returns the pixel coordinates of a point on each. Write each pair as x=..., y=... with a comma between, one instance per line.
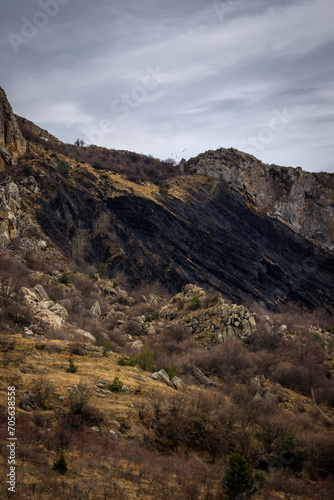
x=45, y=311
x=175, y=383
x=12, y=143
x=10, y=211
x=212, y=322
x=14, y=221
x=301, y=200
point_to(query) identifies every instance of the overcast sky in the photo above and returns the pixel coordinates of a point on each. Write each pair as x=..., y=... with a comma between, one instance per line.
x=176, y=78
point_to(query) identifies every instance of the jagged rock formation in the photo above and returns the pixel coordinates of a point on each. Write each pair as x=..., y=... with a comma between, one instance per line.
x=12, y=143
x=50, y=314
x=14, y=220
x=217, y=322
x=10, y=211
x=303, y=201
x=44, y=310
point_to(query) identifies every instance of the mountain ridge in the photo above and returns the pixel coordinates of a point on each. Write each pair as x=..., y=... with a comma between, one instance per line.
x=210, y=223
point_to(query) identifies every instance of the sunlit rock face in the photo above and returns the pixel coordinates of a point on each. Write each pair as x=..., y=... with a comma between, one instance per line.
x=12, y=143
x=301, y=200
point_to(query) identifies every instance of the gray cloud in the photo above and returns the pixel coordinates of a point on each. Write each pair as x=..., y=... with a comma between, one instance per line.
x=254, y=74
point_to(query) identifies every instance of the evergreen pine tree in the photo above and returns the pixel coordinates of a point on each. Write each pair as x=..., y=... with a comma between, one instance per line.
x=290, y=454
x=60, y=465
x=238, y=482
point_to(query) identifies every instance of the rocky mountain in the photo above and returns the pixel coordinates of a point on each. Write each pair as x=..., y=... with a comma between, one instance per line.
x=227, y=221
x=124, y=390
x=303, y=201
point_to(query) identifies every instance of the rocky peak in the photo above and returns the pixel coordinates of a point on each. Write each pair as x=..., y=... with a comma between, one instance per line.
x=32, y=131
x=12, y=142
x=301, y=200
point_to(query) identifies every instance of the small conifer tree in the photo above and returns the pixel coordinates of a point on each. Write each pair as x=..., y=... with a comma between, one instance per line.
x=116, y=386
x=60, y=465
x=290, y=454
x=238, y=482
x=72, y=368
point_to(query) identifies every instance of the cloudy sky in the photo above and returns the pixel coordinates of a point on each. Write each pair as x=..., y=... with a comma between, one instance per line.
x=176, y=78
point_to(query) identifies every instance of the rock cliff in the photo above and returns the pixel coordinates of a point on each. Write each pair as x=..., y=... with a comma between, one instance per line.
x=303, y=201
x=12, y=143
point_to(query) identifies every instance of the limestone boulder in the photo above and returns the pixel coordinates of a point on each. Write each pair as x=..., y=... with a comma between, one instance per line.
x=95, y=310
x=162, y=376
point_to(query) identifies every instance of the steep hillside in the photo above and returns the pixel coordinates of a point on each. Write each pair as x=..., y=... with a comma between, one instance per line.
x=124, y=390
x=230, y=222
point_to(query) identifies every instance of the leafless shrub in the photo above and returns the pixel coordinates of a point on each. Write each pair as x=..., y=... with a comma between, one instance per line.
x=132, y=328
x=210, y=300
x=62, y=435
x=146, y=289
x=80, y=413
x=141, y=407
x=117, y=338
x=269, y=431
x=85, y=285
x=14, y=380
x=176, y=332
x=142, y=309
x=41, y=389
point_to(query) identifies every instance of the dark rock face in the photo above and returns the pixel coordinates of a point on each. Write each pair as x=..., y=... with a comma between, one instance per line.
x=303, y=201
x=12, y=142
x=218, y=240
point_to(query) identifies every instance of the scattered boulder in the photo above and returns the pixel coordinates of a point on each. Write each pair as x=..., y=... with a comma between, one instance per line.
x=29, y=186
x=162, y=376
x=137, y=344
x=49, y=318
x=200, y=377
x=85, y=334
x=117, y=317
x=112, y=435
x=95, y=310
x=178, y=384
x=91, y=348
x=116, y=424
x=150, y=330
x=41, y=293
